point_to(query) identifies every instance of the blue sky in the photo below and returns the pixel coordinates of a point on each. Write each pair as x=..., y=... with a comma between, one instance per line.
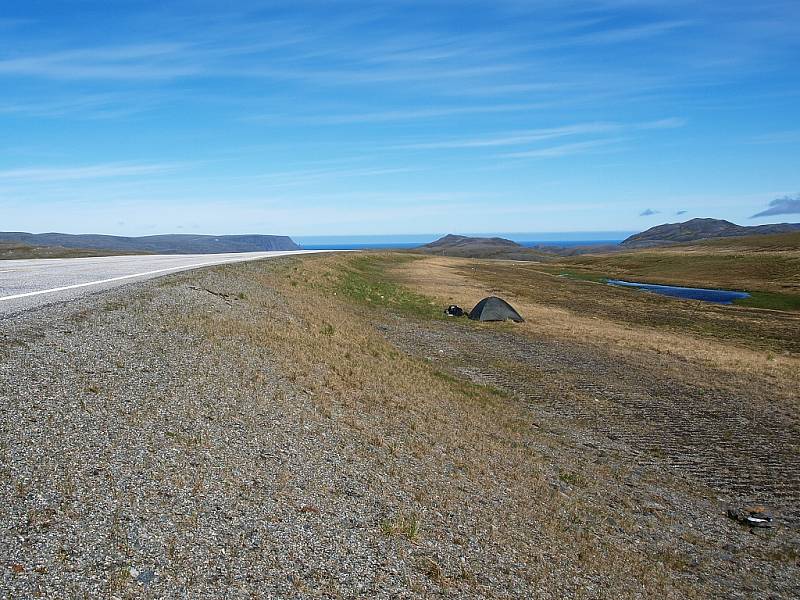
x=396, y=116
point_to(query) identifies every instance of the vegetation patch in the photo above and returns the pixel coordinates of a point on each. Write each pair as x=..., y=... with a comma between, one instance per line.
x=17, y=251
x=725, y=268
x=771, y=300
x=572, y=478
x=364, y=279
x=406, y=525
x=584, y=276
x=470, y=389
x=645, y=312
x=757, y=299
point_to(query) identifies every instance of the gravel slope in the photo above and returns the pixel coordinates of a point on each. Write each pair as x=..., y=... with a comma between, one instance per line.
x=139, y=462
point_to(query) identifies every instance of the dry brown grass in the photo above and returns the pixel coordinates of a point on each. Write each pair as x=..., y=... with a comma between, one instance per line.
x=460, y=454
x=548, y=303
x=759, y=263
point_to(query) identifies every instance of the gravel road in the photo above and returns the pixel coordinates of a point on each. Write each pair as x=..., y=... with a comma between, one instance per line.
x=26, y=284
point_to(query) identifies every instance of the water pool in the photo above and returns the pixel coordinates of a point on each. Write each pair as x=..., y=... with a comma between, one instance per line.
x=690, y=293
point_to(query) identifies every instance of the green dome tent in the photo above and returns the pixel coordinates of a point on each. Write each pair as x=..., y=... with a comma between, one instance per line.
x=494, y=309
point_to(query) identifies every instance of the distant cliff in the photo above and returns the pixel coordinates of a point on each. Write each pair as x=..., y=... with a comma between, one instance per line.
x=158, y=244
x=701, y=229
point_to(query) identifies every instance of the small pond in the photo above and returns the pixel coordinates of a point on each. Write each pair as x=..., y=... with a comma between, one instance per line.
x=717, y=296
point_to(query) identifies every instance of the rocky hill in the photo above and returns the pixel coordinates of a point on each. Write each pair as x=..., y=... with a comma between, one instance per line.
x=159, y=244
x=451, y=241
x=701, y=229
x=503, y=249
x=479, y=247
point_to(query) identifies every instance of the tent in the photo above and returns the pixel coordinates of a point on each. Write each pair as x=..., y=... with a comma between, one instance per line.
x=494, y=309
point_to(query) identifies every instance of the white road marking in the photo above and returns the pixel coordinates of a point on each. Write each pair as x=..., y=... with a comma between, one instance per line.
x=7, y=270
x=121, y=277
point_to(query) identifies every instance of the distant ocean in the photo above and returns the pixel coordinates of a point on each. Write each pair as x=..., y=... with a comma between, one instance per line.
x=357, y=242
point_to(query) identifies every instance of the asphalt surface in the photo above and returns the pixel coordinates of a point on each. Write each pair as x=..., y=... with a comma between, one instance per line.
x=27, y=284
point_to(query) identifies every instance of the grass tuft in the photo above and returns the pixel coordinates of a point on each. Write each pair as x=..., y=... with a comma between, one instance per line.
x=406, y=525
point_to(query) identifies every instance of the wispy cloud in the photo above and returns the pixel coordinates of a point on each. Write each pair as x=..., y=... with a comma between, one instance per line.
x=301, y=177
x=11, y=23
x=789, y=136
x=567, y=149
x=537, y=135
x=141, y=61
x=649, y=212
x=681, y=212
x=88, y=106
x=397, y=115
x=269, y=60
x=787, y=205
x=517, y=138
x=100, y=171
x=359, y=75
x=670, y=123
x=399, y=86
x=630, y=34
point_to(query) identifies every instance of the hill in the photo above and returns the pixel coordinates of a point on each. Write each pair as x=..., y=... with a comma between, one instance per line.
x=503, y=249
x=774, y=242
x=16, y=250
x=451, y=241
x=480, y=247
x=701, y=229
x=159, y=244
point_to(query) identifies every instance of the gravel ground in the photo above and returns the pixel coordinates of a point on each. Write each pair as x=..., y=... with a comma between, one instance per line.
x=691, y=449
x=138, y=460
x=740, y=440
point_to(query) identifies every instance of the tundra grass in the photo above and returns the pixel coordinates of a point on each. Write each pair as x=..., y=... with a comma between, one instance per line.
x=586, y=294
x=757, y=299
x=371, y=280
x=13, y=251
x=450, y=450
x=364, y=279
x=777, y=273
x=455, y=453
x=771, y=300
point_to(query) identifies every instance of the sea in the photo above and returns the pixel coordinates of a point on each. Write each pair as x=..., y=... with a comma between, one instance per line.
x=529, y=239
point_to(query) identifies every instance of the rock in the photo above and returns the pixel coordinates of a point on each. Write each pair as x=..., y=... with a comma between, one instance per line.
x=146, y=576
